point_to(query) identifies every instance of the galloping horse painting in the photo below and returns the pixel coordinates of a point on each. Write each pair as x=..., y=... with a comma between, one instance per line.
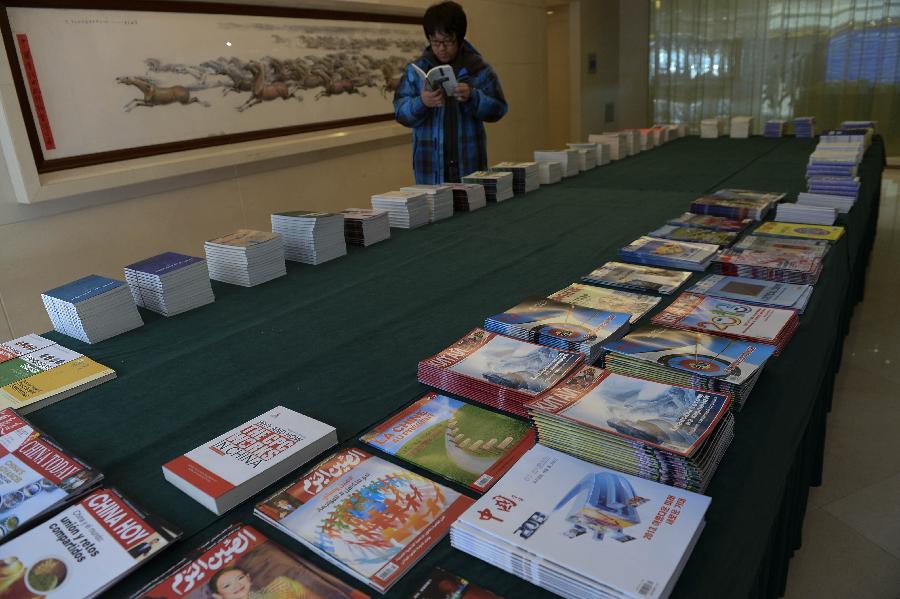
x=157, y=96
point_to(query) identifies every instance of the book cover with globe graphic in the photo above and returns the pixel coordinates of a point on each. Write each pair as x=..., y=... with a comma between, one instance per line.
x=460, y=441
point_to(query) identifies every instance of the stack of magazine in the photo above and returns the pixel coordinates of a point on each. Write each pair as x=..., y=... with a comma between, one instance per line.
x=92, y=308
x=774, y=128
x=771, y=294
x=726, y=318
x=741, y=126
x=798, y=268
x=310, y=237
x=32, y=379
x=714, y=223
x=737, y=204
x=581, y=530
x=695, y=234
x=805, y=214
x=365, y=226
x=454, y=439
x=567, y=159
x=40, y=476
x=782, y=245
x=549, y=172
x=800, y=231
x=611, y=300
x=439, y=197
x=667, y=433
x=170, y=283
x=245, y=257
x=712, y=128
x=370, y=518
x=558, y=324
x=407, y=209
x=805, y=127
x=468, y=197
x=525, y=175
x=614, y=141
x=587, y=159
x=497, y=186
x=689, y=359
x=596, y=152
x=240, y=561
x=842, y=204
x=498, y=371
x=637, y=277
x=671, y=254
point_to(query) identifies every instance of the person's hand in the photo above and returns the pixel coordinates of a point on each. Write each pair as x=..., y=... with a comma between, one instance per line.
x=462, y=92
x=432, y=99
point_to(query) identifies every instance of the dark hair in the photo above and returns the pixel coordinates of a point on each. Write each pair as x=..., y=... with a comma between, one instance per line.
x=445, y=17
x=214, y=580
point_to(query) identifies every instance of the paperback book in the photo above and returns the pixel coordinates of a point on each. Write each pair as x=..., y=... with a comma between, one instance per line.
x=368, y=517
x=241, y=562
x=457, y=440
x=778, y=245
x=170, y=283
x=695, y=234
x=803, y=231
x=610, y=300
x=714, y=223
x=755, y=291
x=310, y=237
x=224, y=472
x=26, y=344
x=639, y=277
x=53, y=385
x=35, y=362
x=246, y=257
x=92, y=309
x=797, y=268
x=666, y=252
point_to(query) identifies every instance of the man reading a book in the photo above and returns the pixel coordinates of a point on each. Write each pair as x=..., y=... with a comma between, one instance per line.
x=449, y=139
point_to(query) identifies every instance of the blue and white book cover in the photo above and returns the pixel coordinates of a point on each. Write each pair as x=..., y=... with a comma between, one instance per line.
x=757, y=291
x=164, y=263
x=622, y=531
x=84, y=289
x=544, y=317
x=700, y=354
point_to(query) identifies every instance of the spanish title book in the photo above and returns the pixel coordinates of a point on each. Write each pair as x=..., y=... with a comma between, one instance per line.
x=50, y=386
x=579, y=529
x=37, y=476
x=455, y=439
x=441, y=584
x=371, y=518
x=235, y=465
x=83, y=550
x=241, y=562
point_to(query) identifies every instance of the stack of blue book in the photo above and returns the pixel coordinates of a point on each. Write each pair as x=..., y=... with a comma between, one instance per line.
x=669, y=253
x=170, y=283
x=92, y=309
x=774, y=128
x=805, y=126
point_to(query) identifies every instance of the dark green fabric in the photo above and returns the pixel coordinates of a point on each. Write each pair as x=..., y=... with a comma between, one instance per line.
x=340, y=342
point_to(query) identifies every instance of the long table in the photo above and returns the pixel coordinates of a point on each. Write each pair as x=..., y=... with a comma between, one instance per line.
x=340, y=342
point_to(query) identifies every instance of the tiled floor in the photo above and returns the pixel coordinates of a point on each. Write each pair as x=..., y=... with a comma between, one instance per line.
x=851, y=536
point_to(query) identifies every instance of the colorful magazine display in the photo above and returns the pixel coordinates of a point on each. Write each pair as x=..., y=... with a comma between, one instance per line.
x=755, y=291
x=671, y=434
x=799, y=230
x=778, y=245
x=53, y=385
x=714, y=223
x=240, y=562
x=457, y=440
x=799, y=269
x=636, y=276
x=726, y=318
x=37, y=476
x=498, y=371
x=441, y=584
x=581, y=530
x=737, y=204
x=227, y=470
x=83, y=550
x=695, y=234
x=610, y=300
x=672, y=254
x=372, y=519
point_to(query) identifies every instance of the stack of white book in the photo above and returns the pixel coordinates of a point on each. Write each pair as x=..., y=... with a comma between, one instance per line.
x=310, y=237
x=842, y=204
x=92, y=308
x=549, y=172
x=225, y=471
x=439, y=197
x=712, y=128
x=593, y=147
x=580, y=530
x=801, y=213
x=498, y=187
x=741, y=126
x=647, y=139
x=632, y=141
x=365, y=226
x=525, y=175
x=170, y=283
x=568, y=160
x=587, y=159
x=407, y=209
x=245, y=257
x=468, y=197
x=615, y=143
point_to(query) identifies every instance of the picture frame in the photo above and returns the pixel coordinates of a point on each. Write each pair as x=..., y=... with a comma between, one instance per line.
x=238, y=73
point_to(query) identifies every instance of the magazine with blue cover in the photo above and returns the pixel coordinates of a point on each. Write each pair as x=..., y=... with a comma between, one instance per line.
x=699, y=354
x=756, y=291
x=84, y=289
x=724, y=317
x=163, y=264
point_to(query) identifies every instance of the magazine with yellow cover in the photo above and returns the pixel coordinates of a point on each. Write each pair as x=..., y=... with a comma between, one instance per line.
x=825, y=232
x=52, y=385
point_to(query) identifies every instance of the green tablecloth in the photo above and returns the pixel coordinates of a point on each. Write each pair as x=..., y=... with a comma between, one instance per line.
x=340, y=342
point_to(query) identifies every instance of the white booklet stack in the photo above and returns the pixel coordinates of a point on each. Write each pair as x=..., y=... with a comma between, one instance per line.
x=92, y=308
x=468, y=197
x=581, y=530
x=712, y=128
x=365, y=226
x=310, y=237
x=568, y=159
x=549, y=172
x=741, y=126
x=245, y=257
x=440, y=200
x=224, y=472
x=808, y=215
x=406, y=209
x=614, y=141
x=632, y=141
x=842, y=204
x=587, y=159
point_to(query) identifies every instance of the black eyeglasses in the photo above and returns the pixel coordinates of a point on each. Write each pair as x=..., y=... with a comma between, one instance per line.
x=442, y=43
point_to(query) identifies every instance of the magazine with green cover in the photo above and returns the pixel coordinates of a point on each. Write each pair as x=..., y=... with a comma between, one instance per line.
x=460, y=441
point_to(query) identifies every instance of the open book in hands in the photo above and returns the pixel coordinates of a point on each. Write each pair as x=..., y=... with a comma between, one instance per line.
x=438, y=77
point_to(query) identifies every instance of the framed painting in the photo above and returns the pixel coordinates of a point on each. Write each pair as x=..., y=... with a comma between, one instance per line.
x=110, y=81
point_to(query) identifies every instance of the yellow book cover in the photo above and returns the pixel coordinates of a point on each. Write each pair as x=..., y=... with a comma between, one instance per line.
x=80, y=372
x=828, y=233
